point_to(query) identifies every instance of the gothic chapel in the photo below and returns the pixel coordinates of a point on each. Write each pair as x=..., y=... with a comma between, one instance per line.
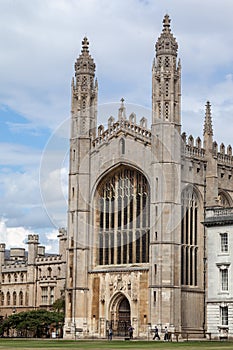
x=137, y=198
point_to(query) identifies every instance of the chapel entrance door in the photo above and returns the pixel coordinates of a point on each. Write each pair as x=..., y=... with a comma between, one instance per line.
x=123, y=317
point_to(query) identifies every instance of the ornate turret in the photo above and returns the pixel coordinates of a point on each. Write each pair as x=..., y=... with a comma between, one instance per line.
x=84, y=94
x=166, y=72
x=166, y=43
x=166, y=165
x=85, y=63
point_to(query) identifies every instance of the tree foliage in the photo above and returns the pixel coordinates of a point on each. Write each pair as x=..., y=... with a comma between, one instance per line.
x=35, y=322
x=59, y=305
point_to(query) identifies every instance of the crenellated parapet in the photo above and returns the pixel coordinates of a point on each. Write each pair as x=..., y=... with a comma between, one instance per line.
x=14, y=267
x=123, y=125
x=223, y=155
x=192, y=148
x=49, y=259
x=196, y=148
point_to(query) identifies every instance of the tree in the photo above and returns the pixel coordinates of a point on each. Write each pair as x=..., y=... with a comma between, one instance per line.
x=35, y=323
x=59, y=305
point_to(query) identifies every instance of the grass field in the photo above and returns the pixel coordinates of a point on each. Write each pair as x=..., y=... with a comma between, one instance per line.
x=7, y=344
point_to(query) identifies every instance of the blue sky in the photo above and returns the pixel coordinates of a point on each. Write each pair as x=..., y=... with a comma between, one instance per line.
x=40, y=41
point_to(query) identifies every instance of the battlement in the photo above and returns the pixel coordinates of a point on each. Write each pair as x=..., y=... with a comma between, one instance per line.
x=12, y=267
x=33, y=239
x=50, y=258
x=192, y=149
x=224, y=155
x=196, y=149
x=128, y=127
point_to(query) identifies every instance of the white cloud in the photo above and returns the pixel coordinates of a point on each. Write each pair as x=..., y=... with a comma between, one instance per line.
x=16, y=237
x=40, y=41
x=13, y=237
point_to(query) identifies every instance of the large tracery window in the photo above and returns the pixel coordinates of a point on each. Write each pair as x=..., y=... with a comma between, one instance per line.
x=189, y=242
x=123, y=218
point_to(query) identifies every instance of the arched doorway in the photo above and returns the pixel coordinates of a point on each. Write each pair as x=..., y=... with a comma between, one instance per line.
x=123, y=317
x=120, y=315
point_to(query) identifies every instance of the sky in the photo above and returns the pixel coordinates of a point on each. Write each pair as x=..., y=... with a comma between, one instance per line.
x=40, y=41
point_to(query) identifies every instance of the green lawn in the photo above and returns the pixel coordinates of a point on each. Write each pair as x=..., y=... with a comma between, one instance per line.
x=7, y=344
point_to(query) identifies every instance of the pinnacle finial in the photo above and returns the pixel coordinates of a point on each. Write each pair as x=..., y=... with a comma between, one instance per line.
x=208, y=129
x=166, y=24
x=166, y=43
x=85, y=45
x=121, y=111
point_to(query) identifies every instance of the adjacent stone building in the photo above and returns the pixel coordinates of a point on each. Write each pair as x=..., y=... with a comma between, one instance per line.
x=219, y=296
x=31, y=279
x=137, y=198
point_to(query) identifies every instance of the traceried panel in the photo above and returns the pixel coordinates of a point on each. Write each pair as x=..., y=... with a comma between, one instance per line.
x=189, y=238
x=123, y=218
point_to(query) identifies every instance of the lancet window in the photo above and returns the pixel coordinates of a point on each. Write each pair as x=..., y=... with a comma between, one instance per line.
x=189, y=238
x=123, y=218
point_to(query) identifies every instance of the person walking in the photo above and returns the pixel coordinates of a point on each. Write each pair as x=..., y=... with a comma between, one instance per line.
x=165, y=334
x=110, y=333
x=156, y=335
x=131, y=332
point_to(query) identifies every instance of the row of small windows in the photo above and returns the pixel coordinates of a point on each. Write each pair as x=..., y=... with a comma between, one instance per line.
x=16, y=277
x=49, y=272
x=14, y=299
x=166, y=61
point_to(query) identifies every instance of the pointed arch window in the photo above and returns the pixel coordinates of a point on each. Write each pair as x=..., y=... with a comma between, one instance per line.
x=8, y=298
x=14, y=298
x=122, y=218
x=2, y=299
x=189, y=238
x=122, y=146
x=21, y=298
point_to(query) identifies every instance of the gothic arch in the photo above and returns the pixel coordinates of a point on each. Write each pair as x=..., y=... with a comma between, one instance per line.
x=191, y=238
x=122, y=146
x=193, y=189
x=224, y=199
x=122, y=218
x=119, y=313
x=127, y=163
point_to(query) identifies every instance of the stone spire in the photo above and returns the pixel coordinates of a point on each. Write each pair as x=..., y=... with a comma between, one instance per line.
x=166, y=43
x=208, y=129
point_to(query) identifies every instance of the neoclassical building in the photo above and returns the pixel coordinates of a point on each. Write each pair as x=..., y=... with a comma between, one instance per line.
x=31, y=279
x=137, y=248
x=219, y=295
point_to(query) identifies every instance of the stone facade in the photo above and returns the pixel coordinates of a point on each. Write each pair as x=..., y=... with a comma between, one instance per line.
x=33, y=279
x=136, y=243
x=219, y=298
